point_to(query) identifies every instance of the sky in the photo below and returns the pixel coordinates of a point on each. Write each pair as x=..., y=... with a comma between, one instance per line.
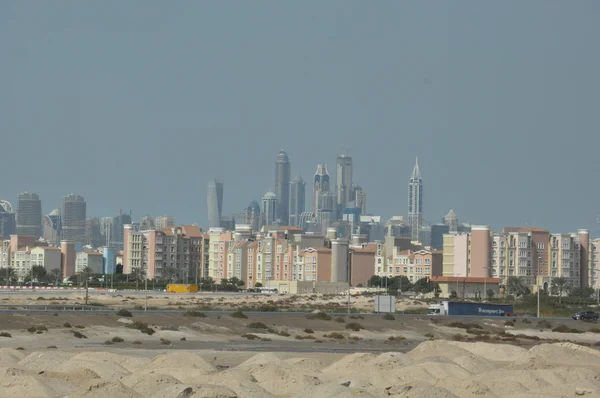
x=138, y=104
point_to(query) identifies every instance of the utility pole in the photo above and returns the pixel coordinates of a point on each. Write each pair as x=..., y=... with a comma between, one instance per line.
x=537, y=284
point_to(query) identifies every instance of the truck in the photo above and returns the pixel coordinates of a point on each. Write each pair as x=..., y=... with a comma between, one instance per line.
x=181, y=288
x=469, y=309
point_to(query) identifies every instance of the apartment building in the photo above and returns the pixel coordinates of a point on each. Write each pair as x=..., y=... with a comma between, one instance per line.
x=92, y=260
x=47, y=257
x=362, y=259
x=313, y=265
x=565, y=253
x=595, y=264
x=219, y=242
x=414, y=265
x=173, y=253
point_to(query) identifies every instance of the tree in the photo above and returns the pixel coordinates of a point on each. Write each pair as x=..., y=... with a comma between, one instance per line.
x=374, y=281
x=235, y=283
x=559, y=286
x=453, y=294
x=119, y=269
x=55, y=275
x=581, y=292
x=10, y=275
x=206, y=284
x=258, y=284
x=86, y=273
x=490, y=294
x=425, y=285
x=515, y=286
x=38, y=272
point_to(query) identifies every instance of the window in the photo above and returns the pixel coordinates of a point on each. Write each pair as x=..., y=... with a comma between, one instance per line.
x=405, y=270
x=540, y=245
x=397, y=270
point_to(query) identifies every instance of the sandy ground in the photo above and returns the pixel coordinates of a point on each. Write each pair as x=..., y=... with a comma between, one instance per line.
x=273, y=355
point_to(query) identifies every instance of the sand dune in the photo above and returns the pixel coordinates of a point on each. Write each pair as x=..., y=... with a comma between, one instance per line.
x=433, y=369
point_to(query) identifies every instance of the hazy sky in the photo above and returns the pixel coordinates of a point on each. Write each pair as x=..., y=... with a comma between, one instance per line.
x=137, y=104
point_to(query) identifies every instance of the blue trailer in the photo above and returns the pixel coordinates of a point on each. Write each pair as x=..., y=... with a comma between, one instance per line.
x=469, y=309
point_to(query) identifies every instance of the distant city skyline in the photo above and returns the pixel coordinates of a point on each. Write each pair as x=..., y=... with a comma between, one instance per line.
x=136, y=105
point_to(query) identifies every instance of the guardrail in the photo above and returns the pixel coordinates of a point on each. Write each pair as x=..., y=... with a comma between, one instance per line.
x=54, y=307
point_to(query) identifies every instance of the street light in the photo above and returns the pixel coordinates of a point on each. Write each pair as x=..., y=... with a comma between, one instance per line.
x=537, y=284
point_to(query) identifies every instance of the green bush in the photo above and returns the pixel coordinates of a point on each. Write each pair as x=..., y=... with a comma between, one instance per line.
x=388, y=317
x=123, y=312
x=239, y=314
x=321, y=316
x=256, y=325
x=340, y=319
x=117, y=339
x=5, y=334
x=309, y=331
x=142, y=327
x=194, y=314
x=78, y=334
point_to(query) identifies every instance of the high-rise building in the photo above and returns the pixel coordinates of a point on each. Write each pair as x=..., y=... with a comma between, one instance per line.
x=29, y=215
x=320, y=186
x=343, y=182
x=106, y=229
x=8, y=223
x=415, y=202
x=269, y=209
x=451, y=221
x=282, y=187
x=297, y=200
x=252, y=215
x=162, y=222
x=117, y=233
x=214, y=201
x=73, y=216
x=147, y=223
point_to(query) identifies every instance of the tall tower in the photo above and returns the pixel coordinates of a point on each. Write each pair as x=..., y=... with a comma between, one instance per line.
x=415, y=202
x=29, y=214
x=320, y=186
x=297, y=200
x=214, y=201
x=343, y=182
x=270, y=207
x=282, y=186
x=73, y=215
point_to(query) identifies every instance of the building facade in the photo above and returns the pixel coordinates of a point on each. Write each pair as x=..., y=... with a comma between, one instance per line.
x=214, y=201
x=29, y=215
x=415, y=202
x=282, y=187
x=297, y=200
x=73, y=217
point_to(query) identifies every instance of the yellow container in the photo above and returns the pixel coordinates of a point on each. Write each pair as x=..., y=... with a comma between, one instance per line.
x=180, y=288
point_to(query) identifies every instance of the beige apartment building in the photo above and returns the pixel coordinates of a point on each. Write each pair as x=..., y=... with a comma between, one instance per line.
x=92, y=260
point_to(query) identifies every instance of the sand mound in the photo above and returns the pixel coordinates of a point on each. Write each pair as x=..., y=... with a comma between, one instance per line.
x=350, y=364
x=32, y=386
x=131, y=364
x=44, y=360
x=305, y=363
x=493, y=352
x=106, y=389
x=208, y=328
x=181, y=359
x=9, y=356
x=211, y=391
x=283, y=380
x=333, y=390
x=418, y=390
x=107, y=370
x=437, y=348
x=260, y=359
x=149, y=383
x=390, y=360
x=567, y=354
x=474, y=364
x=238, y=380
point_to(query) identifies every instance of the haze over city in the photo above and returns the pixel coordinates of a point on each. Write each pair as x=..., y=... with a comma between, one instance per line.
x=138, y=105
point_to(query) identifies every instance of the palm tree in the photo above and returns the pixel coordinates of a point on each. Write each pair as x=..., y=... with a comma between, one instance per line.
x=515, y=286
x=559, y=286
x=86, y=273
x=11, y=274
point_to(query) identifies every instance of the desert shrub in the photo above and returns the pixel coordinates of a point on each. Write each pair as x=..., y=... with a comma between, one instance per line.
x=509, y=323
x=396, y=338
x=526, y=321
x=283, y=333
x=477, y=331
x=67, y=324
x=356, y=317
x=334, y=335
x=321, y=316
x=80, y=326
x=429, y=335
x=108, y=342
x=117, y=339
x=256, y=325
x=5, y=334
x=319, y=341
x=355, y=326
x=388, y=317
x=463, y=325
x=183, y=339
x=51, y=347
x=565, y=329
x=137, y=342
x=142, y=327
x=194, y=314
x=124, y=312
x=457, y=337
x=20, y=349
x=32, y=329
x=78, y=334
x=165, y=341
x=250, y=336
x=340, y=319
x=309, y=331
x=239, y=314
x=544, y=324
x=40, y=298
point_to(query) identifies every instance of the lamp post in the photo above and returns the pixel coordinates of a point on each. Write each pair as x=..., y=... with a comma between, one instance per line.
x=537, y=284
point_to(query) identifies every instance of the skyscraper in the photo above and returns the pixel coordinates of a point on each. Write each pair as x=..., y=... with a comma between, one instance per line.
x=343, y=182
x=270, y=207
x=214, y=201
x=320, y=186
x=297, y=200
x=29, y=214
x=282, y=186
x=73, y=216
x=8, y=222
x=117, y=234
x=415, y=202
